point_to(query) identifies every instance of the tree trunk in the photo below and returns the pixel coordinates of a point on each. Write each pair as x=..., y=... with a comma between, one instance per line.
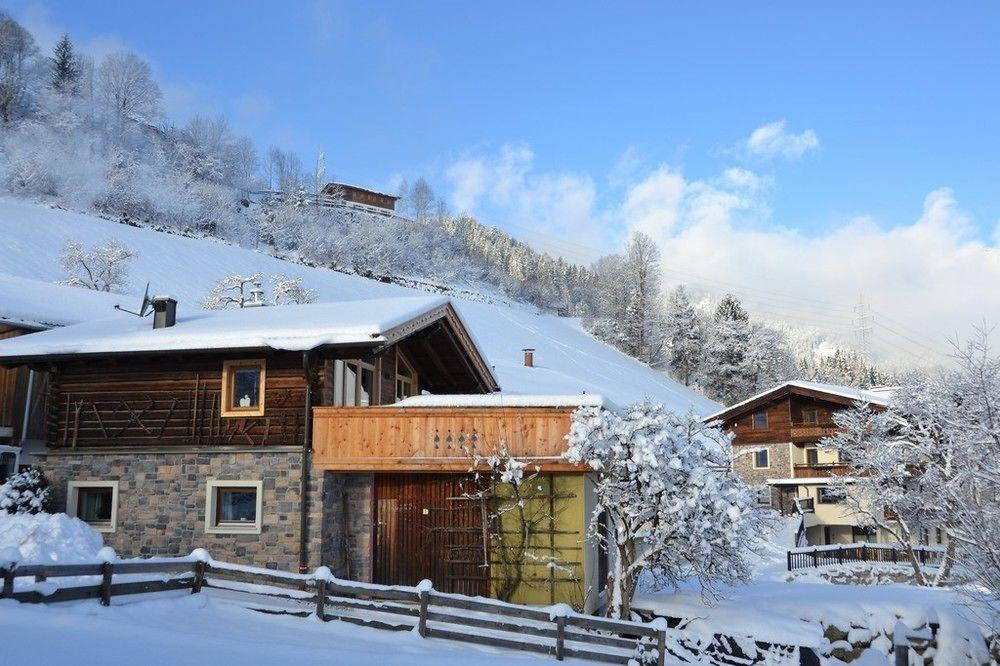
x=623, y=581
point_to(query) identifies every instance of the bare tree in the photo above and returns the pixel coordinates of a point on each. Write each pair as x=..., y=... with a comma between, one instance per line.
x=235, y=291
x=17, y=52
x=287, y=290
x=421, y=199
x=103, y=268
x=126, y=86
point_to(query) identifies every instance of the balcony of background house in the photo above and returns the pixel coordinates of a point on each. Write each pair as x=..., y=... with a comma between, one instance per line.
x=810, y=462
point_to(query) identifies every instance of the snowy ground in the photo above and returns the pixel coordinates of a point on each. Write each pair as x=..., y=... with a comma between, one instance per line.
x=795, y=609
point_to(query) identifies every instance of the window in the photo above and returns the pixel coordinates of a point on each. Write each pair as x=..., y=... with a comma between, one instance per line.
x=764, y=495
x=95, y=503
x=862, y=534
x=353, y=383
x=812, y=456
x=760, y=421
x=827, y=495
x=243, y=388
x=8, y=462
x=234, y=507
x=406, y=379
x=761, y=459
x=810, y=416
x=938, y=536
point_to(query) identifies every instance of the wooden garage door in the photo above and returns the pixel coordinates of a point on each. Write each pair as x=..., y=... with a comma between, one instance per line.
x=426, y=528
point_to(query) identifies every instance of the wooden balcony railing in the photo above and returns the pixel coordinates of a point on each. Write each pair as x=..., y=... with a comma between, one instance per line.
x=812, y=432
x=818, y=470
x=437, y=438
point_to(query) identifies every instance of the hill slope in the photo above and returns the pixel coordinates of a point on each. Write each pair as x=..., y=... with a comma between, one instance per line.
x=567, y=359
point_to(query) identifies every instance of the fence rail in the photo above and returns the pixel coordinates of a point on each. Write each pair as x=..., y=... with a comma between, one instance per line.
x=556, y=631
x=806, y=558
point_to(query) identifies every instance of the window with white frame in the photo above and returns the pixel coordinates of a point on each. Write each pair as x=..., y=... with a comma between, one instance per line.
x=233, y=507
x=764, y=495
x=353, y=383
x=826, y=495
x=761, y=459
x=95, y=503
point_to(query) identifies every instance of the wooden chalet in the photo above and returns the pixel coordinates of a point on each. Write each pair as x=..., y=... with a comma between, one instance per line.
x=776, y=436
x=361, y=197
x=304, y=435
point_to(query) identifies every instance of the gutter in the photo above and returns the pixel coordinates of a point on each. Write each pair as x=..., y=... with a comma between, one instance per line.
x=304, y=474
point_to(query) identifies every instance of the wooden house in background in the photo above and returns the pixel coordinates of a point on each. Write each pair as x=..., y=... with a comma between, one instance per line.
x=304, y=435
x=360, y=197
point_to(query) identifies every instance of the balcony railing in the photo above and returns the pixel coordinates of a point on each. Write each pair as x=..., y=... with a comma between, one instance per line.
x=818, y=470
x=812, y=431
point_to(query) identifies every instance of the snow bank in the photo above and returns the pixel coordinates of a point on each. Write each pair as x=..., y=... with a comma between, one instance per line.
x=49, y=537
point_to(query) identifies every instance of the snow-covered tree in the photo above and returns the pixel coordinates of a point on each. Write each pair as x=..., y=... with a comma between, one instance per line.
x=235, y=291
x=728, y=375
x=643, y=324
x=683, y=334
x=25, y=492
x=421, y=200
x=769, y=358
x=17, y=54
x=127, y=88
x=670, y=504
x=65, y=70
x=287, y=290
x=104, y=267
x=929, y=461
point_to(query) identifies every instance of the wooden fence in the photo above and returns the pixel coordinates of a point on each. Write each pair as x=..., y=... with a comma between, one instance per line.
x=805, y=558
x=453, y=617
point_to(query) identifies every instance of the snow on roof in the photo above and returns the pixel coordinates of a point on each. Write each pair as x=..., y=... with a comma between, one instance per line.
x=878, y=396
x=502, y=400
x=807, y=481
x=568, y=360
x=36, y=304
x=287, y=327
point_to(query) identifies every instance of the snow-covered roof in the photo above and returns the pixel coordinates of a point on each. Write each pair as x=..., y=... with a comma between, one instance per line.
x=879, y=396
x=503, y=400
x=35, y=304
x=568, y=360
x=287, y=327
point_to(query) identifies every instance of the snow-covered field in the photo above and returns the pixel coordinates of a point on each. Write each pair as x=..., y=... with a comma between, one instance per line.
x=568, y=361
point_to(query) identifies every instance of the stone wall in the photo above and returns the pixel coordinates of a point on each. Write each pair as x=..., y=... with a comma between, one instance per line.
x=347, y=525
x=778, y=457
x=162, y=502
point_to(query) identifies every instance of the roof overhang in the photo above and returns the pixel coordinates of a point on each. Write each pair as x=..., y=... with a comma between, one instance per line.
x=781, y=391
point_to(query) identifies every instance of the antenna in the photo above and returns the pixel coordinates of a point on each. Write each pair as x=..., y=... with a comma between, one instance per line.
x=143, y=307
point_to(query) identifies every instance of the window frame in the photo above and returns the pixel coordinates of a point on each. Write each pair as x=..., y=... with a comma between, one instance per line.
x=815, y=417
x=15, y=451
x=753, y=420
x=212, y=487
x=340, y=384
x=767, y=453
x=402, y=380
x=814, y=451
x=819, y=496
x=229, y=376
x=760, y=493
x=73, y=503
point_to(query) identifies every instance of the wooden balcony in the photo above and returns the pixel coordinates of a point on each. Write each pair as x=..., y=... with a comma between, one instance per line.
x=436, y=438
x=801, y=432
x=818, y=470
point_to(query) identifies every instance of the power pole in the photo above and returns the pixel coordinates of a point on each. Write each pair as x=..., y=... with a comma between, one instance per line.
x=863, y=327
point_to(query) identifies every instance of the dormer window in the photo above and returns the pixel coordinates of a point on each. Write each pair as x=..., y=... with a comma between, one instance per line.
x=243, y=388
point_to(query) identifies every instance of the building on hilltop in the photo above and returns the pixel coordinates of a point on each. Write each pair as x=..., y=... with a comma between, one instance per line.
x=360, y=197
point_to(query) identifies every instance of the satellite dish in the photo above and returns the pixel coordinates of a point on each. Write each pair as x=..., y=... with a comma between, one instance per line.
x=143, y=307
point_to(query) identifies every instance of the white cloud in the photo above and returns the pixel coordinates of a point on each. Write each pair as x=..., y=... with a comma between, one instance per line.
x=773, y=140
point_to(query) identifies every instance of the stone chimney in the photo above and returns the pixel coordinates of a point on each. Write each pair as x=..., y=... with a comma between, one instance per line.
x=529, y=357
x=164, y=311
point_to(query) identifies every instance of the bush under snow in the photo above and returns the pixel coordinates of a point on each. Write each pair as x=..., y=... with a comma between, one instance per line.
x=49, y=537
x=24, y=492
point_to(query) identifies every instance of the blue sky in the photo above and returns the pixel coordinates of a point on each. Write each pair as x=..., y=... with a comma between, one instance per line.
x=570, y=124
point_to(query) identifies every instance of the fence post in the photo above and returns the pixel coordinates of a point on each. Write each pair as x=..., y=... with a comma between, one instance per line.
x=864, y=553
x=560, y=637
x=840, y=555
x=199, y=577
x=815, y=555
x=8, y=583
x=422, y=623
x=107, y=570
x=321, y=599
x=661, y=647
x=789, y=560
x=895, y=555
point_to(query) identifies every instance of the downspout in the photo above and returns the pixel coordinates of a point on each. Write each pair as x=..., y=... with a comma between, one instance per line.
x=305, y=472
x=27, y=406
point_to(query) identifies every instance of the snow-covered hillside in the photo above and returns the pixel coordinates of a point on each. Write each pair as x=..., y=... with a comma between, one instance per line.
x=567, y=359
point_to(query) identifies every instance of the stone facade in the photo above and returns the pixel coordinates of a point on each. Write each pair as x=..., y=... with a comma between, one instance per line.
x=780, y=467
x=347, y=525
x=162, y=502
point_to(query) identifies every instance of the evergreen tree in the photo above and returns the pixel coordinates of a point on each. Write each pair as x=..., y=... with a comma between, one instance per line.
x=728, y=373
x=65, y=68
x=684, y=335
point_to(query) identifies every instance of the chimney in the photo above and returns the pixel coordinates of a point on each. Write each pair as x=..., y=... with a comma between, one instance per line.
x=529, y=357
x=164, y=312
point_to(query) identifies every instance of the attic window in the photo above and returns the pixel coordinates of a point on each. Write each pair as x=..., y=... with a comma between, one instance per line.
x=810, y=416
x=243, y=388
x=760, y=421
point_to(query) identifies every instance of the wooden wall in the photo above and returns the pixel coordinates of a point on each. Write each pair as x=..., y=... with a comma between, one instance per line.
x=14, y=394
x=437, y=438
x=174, y=402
